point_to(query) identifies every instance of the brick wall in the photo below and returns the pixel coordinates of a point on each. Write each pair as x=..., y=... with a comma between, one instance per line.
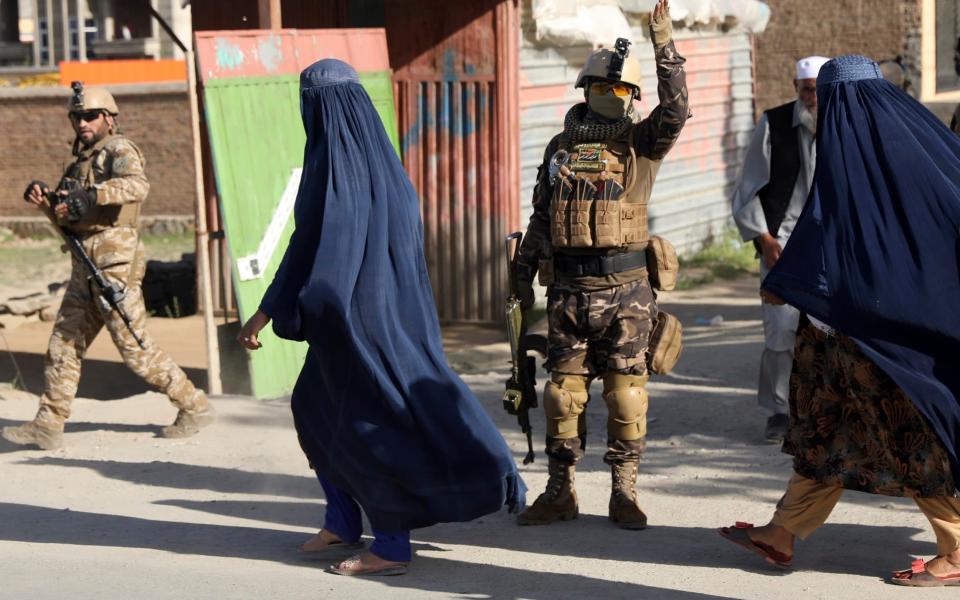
x=36, y=141
x=876, y=28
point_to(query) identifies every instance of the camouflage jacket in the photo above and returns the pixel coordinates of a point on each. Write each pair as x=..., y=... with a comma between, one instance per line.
x=114, y=167
x=653, y=137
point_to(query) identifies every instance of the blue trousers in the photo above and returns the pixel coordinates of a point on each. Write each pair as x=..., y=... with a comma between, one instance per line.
x=343, y=519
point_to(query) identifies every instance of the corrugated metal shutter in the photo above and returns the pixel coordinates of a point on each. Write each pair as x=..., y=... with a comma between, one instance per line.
x=690, y=203
x=455, y=84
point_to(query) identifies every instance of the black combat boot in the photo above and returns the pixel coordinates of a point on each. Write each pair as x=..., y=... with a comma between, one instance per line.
x=624, y=510
x=558, y=502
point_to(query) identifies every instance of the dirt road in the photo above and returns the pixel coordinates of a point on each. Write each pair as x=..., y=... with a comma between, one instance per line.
x=121, y=513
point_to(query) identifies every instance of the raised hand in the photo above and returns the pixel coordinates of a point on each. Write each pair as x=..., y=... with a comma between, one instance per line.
x=661, y=27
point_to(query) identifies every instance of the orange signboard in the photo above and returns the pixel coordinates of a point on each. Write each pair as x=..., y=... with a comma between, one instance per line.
x=102, y=72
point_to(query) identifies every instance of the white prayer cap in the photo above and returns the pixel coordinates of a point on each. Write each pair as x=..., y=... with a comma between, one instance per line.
x=809, y=67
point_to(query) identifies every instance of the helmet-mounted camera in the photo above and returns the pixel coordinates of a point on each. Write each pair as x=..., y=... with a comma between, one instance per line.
x=77, y=100
x=621, y=50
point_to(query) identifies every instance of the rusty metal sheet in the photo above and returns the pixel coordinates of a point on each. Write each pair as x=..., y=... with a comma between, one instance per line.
x=257, y=53
x=455, y=85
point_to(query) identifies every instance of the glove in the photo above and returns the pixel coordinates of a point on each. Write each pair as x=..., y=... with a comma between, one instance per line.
x=79, y=201
x=37, y=182
x=525, y=293
x=661, y=29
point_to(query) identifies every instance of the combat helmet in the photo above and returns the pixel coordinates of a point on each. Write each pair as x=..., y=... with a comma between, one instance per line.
x=94, y=98
x=612, y=65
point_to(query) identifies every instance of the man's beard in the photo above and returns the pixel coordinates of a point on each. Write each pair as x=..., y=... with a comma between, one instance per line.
x=808, y=118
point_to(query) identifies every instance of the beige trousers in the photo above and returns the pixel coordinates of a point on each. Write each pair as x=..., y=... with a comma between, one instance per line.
x=807, y=504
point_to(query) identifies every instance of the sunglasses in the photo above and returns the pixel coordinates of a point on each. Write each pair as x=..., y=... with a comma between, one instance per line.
x=619, y=89
x=88, y=116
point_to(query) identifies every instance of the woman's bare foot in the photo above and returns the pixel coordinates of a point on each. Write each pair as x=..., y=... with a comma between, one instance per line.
x=368, y=563
x=324, y=540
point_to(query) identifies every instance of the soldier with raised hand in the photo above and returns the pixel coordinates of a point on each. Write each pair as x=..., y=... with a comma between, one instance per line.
x=589, y=241
x=98, y=201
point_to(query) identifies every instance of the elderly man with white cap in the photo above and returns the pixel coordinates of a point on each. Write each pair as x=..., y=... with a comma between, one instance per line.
x=776, y=178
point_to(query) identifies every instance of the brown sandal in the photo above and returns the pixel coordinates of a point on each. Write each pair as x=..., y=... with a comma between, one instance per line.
x=918, y=576
x=739, y=536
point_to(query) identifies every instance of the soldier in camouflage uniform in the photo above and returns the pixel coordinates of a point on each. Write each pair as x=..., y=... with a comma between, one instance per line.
x=600, y=303
x=102, y=211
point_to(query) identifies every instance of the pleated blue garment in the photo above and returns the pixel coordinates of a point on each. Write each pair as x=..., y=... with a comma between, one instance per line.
x=378, y=411
x=876, y=252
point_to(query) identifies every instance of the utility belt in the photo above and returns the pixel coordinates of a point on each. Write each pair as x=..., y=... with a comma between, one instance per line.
x=598, y=266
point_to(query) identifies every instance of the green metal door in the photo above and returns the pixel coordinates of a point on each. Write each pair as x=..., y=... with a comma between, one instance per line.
x=257, y=138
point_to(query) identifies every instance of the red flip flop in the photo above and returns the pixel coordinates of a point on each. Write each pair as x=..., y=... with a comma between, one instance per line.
x=918, y=576
x=739, y=536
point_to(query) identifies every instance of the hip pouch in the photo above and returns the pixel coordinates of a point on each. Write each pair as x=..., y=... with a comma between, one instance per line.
x=666, y=343
x=662, y=264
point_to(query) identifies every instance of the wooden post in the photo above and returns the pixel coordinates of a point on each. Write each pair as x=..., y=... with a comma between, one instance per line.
x=270, y=14
x=214, y=385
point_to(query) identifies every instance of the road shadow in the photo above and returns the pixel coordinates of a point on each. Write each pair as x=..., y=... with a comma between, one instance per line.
x=100, y=379
x=871, y=551
x=193, y=477
x=42, y=525
x=77, y=427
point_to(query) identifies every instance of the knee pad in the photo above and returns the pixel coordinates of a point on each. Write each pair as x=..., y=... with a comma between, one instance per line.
x=563, y=400
x=626, y=401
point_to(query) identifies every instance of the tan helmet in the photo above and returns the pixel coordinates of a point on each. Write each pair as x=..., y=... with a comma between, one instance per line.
x=91, y=99
x=599, y=66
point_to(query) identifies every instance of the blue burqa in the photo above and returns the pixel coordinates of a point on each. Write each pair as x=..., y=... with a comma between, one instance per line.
x=378, y=411
x=876, y=252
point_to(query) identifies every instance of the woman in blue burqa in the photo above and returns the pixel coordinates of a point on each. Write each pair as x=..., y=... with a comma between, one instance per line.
x=388, y=427
x=874, y=265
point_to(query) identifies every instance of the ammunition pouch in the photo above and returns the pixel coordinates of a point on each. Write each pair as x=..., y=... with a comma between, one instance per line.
x=596, y=223
x=595, y=204
x=662, y=264
x=597, y=266
x=666, y=343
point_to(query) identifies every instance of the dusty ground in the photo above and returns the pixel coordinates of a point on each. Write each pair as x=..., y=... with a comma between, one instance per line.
x=120, y=512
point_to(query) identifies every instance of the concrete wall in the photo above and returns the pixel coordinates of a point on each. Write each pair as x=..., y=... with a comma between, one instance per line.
x=876, y=28
x=37, y=138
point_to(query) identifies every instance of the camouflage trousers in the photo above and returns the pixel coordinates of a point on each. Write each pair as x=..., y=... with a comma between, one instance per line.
x=83, y=313
x=605, y=334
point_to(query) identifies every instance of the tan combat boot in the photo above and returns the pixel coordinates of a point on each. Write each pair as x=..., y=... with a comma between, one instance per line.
x=558, y=502
x=189, y=422
x=624, y=510
x=46, y=435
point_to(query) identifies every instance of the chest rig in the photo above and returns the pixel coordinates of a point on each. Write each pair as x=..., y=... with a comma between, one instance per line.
x=95, y=165
x=594, y=204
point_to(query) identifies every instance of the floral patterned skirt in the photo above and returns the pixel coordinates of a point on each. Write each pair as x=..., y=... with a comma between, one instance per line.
x=852, y=426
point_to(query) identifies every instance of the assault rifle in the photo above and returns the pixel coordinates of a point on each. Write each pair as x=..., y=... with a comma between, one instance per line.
x=111, y=292
x=521, y=393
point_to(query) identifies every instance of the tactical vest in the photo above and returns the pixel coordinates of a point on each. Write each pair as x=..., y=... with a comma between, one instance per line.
x=95, y=165
x=601, y=203
x=785, y=165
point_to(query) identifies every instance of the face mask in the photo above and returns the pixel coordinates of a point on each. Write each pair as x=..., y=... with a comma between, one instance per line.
x=609, y=105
